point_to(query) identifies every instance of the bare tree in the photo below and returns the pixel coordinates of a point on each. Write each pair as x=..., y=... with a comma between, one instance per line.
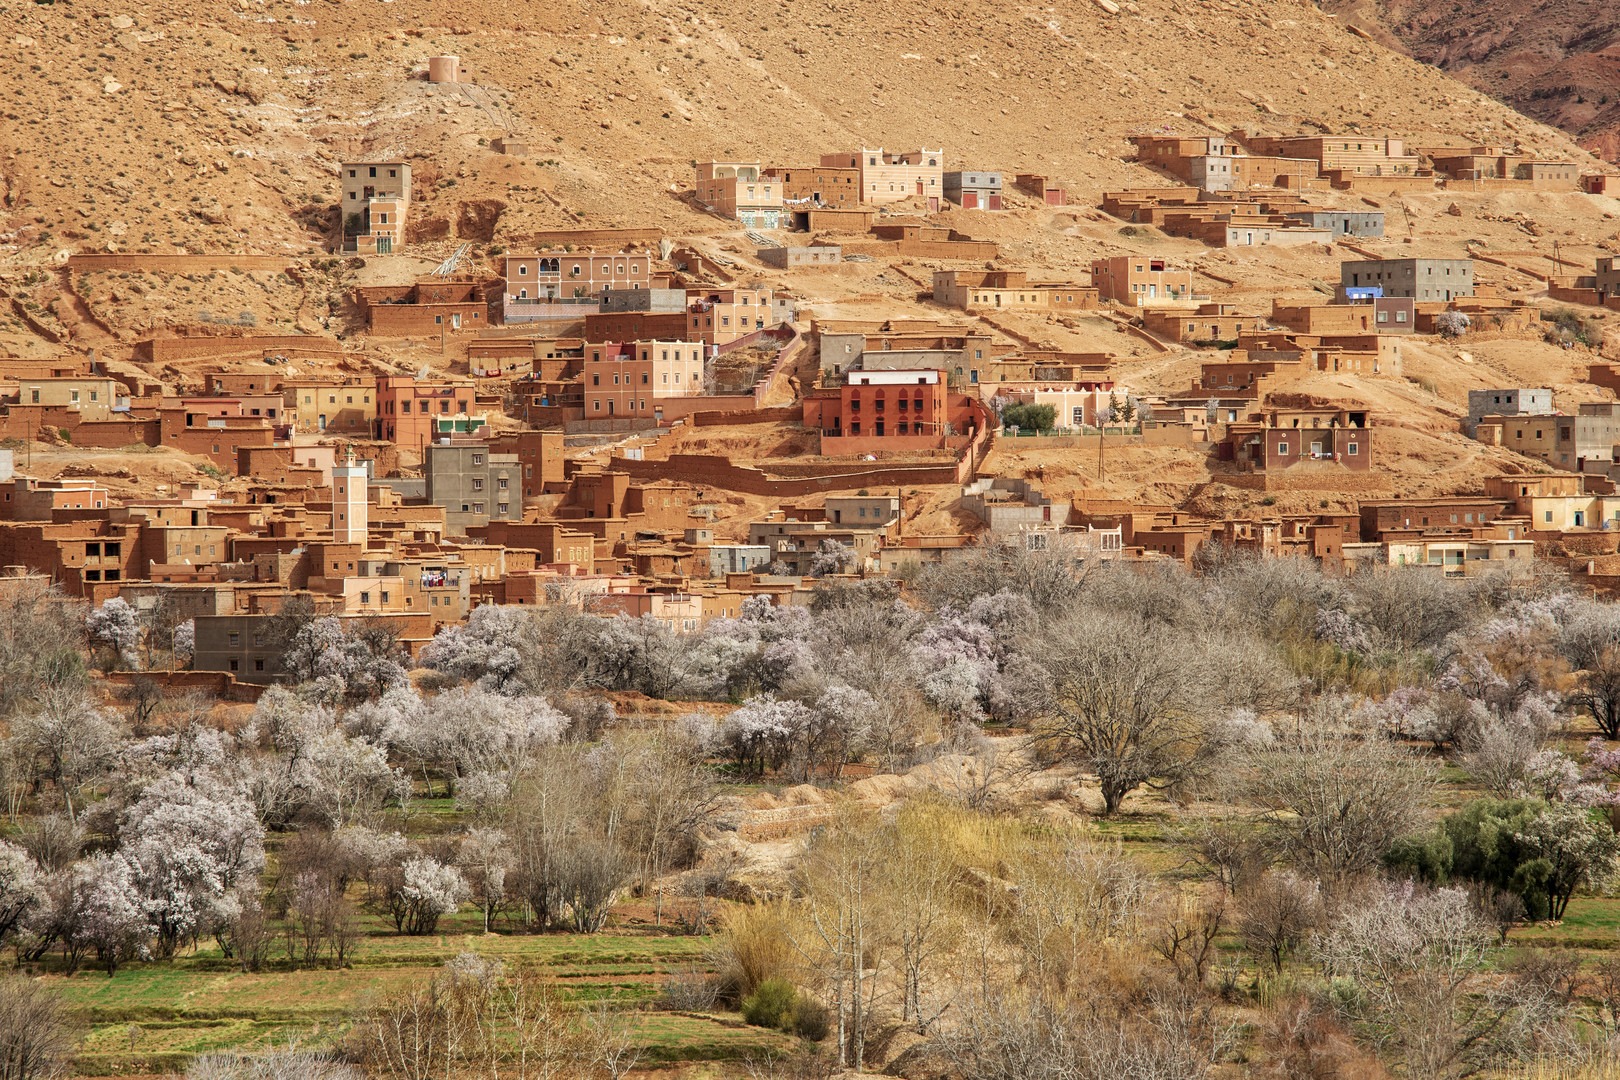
x=1126, y=703
x=36, y=1038
x=1279, y=914
x=1417, y=959
x=1335, y=797
x=1185, y=930
x=1591, y=642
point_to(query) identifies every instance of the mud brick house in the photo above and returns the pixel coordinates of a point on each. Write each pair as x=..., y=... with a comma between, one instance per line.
x=974, y=190
x=540, y=456
x=783, y=258
x=1607, y=278
x=891, y=410
x=888, y=178
x=739, y=190
x=428, y=307
x=376, y=202
x=637, y=325
x=992, y=290
x=1355, y=154
x=89, y=396
x=1290, y=438
x=88, y=558
x=1208, y=323
x=819, y=185
x=1041, y=188
x=192, y=430
x=1140, y=280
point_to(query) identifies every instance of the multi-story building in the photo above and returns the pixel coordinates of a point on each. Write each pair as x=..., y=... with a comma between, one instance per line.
x=570, y=284
x=343, y=408
x=630, y=379
x=974, y=190
x=885, y=403
x=1357, y=154
x=819, y=185
x=415, y=412
x=1513, y=401
x=1607, y=278
x=1140, y=280
x=1424, y=280
x=539, y=454
x=376, y=202
x=721, y=316
x=887, y=178
x=473, y=484
x=1597, y=430
x=93, y=398
x=738, y=189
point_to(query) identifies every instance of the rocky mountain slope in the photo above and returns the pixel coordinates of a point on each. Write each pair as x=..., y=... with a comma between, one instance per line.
x=1555, y=60
x=180, y=126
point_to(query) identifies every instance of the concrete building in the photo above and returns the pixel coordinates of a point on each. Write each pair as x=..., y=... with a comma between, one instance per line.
x=1009, y=505
x=376, y=202
x=91, y=397
x=738, y=189
x=1514, y=401
x=631, y=379
x=1597, y=430
x=351, y=513
x=1424, y=280
x=974, y=190
x=638, y=299
x=347, y=408
x=473, y=485
x=881, y=404
x=554, y=283
x=888, y=178
x=1342, y=222
x=863, y=511
x=417, y=413
x=737, y=558
x=721, y=316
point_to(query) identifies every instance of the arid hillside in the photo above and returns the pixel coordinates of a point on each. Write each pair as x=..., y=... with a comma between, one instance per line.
x=220, y=127
x=1555, y=60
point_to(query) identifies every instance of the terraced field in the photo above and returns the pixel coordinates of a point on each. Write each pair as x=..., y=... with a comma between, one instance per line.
x=152, y=1018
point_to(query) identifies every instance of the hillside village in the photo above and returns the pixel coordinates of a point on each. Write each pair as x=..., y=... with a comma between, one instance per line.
x=663, y=424
x=648, y=459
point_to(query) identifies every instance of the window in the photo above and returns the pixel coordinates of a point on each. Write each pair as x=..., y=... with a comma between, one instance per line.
x=365, y=597
x=234, y=638
x=1282, y=449
x=478, y=483
x=478, y=508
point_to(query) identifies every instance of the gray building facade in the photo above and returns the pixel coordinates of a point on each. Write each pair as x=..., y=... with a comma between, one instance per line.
x=1512, y=401
x=1342, y=222
x=1424, y=280
x=974, y=190
x=473, y=485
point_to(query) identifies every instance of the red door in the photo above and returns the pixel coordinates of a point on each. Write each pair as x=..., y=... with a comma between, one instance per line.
x=919, y=187
x=970, y=200
x=1054, y=196
x=995, y=202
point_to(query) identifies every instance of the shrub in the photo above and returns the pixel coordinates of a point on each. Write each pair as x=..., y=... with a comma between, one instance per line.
x=1029, y=417
x=770, y=1004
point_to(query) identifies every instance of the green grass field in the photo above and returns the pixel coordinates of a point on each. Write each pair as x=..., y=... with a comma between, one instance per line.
x=153, y=1017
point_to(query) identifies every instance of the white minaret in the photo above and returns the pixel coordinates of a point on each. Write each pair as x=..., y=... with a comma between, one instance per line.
x=349, y=510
